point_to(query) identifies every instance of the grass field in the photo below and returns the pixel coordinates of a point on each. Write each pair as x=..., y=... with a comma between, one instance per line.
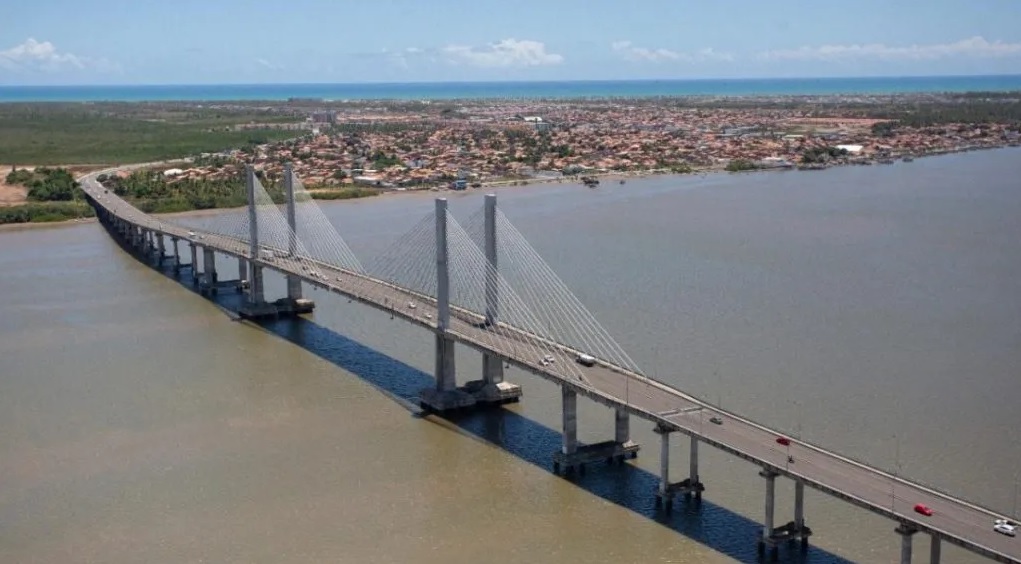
x=49, y=134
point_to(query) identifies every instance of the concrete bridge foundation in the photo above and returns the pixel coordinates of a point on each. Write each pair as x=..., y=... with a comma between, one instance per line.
x=575, y=455
x=792, y=531
x=668, y=491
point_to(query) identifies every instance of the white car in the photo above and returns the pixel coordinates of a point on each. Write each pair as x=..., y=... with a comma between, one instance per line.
x=1004, y=528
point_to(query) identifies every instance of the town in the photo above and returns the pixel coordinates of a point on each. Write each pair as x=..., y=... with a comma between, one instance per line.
x=435, y=145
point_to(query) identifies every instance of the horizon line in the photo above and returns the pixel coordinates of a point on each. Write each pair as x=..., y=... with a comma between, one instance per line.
x=540, y=81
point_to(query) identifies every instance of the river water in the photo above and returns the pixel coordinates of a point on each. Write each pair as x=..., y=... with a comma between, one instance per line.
x=873, y=310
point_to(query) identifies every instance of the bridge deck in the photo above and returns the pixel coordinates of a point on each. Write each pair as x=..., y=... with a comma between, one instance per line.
x=954, y=520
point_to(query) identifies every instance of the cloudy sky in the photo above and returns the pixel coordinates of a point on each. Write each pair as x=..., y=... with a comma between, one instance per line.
x=307, y=41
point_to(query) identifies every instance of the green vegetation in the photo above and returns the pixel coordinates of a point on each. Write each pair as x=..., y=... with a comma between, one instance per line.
x=152, y=192
x=741, y=165
x=821, y=154
x=44, y=212
x=43, y=134
x=45, y=184
x=344, y=193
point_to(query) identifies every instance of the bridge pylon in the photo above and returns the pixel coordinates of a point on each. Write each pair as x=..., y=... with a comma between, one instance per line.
x=445, y=396
x=255, y=305
x=492, y=389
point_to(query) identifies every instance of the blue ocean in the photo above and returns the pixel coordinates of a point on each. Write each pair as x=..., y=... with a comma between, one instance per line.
x=512, y=90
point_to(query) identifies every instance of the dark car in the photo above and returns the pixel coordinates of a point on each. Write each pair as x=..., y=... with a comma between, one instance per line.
x=784, y=441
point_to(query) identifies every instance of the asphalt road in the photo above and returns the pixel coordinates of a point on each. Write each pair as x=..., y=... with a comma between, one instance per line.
x=954, y=520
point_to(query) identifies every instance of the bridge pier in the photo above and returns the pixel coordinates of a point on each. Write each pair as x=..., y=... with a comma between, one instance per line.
x=934, y=549
x=905, y=532
x=800, y=531
x=209, y=270
x=569, y=433
x=177, y=255
x=194, y=263
x=574, y=455
x=767, y=540
x=791, y=531
x=667, y=490
x=242, y=274
x=161, y=250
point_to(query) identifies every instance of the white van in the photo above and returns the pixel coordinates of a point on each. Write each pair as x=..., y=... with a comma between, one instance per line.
x=585, y=360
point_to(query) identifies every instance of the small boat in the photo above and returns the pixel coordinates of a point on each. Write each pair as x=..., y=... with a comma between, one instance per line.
x=622, y=181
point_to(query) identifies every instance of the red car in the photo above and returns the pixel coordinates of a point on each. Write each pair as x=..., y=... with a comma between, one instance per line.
x=923, y=509
x=784, y=441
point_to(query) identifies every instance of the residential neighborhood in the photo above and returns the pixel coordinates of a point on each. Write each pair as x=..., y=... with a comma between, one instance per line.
x=429, y=146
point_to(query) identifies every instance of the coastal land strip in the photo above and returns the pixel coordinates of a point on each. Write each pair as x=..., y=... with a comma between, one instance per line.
x=354, y=149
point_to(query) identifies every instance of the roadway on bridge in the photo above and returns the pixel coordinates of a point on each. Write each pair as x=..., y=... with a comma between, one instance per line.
x=954, y=520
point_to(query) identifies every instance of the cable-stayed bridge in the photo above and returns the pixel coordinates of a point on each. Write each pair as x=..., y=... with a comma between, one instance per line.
x=480, y=284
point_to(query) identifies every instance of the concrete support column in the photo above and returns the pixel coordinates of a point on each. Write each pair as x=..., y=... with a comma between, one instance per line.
x=446, y=377
x=664, y=461
x=160, y=249
x=570, y=414
x=177, y=254
x=255, y=286
x=905, y=532
x=767, y=536
x=799, y=504
x=242, y=272
x=293, y=282
x=622, y=426
x=194, y=262
x=209, y=268
x=693, y=467
x=934, y=550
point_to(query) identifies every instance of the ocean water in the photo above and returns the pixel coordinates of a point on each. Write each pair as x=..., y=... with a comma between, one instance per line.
x=513, y=90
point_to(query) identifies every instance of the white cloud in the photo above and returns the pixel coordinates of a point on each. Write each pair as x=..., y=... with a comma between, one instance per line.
x=974, y=47
x=506, y=53
x=632, y=52
x=267, y=64
x=35, y=55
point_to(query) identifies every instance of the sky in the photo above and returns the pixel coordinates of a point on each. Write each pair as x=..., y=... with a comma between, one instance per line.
x=76, y=42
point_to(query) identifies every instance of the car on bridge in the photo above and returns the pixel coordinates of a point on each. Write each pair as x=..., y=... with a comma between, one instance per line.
x=783, y=441
x=1004, y=527
x=923, y=509
x=585, y=359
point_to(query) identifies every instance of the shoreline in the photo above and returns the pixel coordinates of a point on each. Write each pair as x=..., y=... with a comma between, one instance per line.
x=610, y=176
